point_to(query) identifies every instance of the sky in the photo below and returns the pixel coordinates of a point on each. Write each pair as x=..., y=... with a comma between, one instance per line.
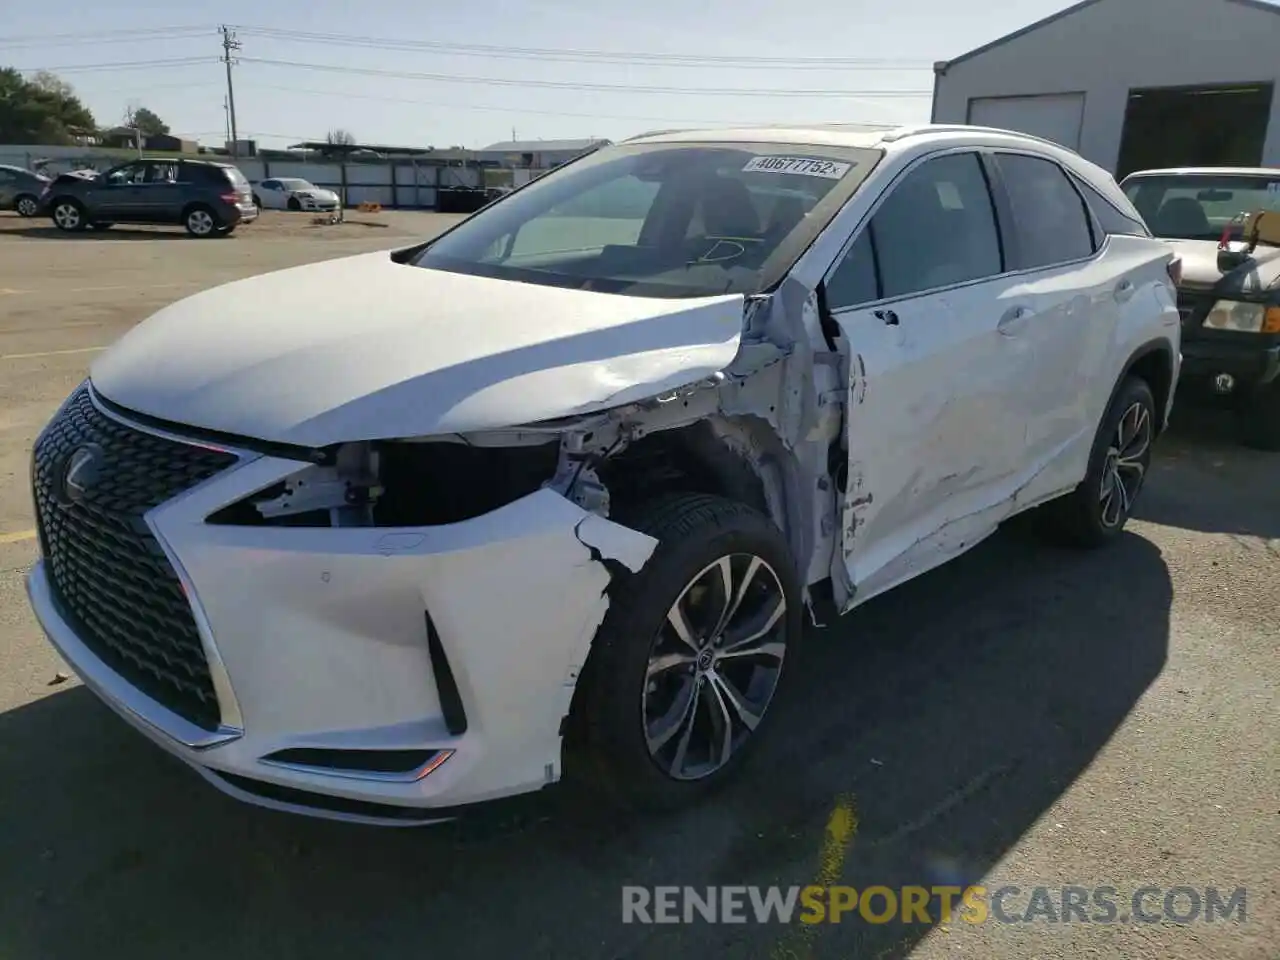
x=453, y=73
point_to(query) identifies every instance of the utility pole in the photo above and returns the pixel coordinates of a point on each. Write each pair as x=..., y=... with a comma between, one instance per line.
x=230, y=44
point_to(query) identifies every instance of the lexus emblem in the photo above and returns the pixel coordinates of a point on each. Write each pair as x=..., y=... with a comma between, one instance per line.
x=79, y=473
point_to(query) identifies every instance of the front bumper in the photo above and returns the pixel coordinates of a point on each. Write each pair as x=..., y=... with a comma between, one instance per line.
x=317, y=640
x=1250, y=365
x=318, y=204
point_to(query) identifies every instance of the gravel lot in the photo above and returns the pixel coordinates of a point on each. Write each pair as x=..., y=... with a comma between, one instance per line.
x=1024, y=716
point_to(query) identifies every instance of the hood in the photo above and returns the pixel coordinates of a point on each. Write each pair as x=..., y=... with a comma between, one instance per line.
x=362, y=348
x=1200, y=269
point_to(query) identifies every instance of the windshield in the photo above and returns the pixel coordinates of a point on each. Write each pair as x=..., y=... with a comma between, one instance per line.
x=293, y=184
x=1200, y=206
x=666, y=220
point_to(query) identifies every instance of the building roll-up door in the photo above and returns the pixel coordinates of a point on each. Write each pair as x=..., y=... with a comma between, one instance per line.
x=1057, y=117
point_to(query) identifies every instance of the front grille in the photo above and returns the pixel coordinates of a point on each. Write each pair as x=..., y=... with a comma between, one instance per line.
x=113, y=582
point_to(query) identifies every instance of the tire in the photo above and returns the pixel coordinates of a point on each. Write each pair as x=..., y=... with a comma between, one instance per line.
x=69, y=216
x=1096, y=512
x=1260, y=419
x=102, y=225
x=26, y=205
x=618, y=742
x=294, y=204
x=200, y=221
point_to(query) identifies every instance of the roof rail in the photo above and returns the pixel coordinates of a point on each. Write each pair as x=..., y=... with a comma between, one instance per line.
x=912, y=131
x=656, y=133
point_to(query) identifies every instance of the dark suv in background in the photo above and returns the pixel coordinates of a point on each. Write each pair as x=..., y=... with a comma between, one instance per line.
x=209, y=199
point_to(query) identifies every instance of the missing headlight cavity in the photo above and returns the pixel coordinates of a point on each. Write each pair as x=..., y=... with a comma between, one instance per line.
x=399, y=484
x=425, y=484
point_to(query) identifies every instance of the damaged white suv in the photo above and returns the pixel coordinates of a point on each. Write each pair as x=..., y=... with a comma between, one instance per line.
x=375, y=538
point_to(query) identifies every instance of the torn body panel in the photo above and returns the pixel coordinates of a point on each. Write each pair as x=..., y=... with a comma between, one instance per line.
x=515, y=597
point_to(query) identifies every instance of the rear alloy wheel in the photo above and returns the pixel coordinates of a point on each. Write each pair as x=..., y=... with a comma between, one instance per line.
x=200, y=222
x=688, y=665
x=68, y=216
x=27, y=206
x=1098, y=509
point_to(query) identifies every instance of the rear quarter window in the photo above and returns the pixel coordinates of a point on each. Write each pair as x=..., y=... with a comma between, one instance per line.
x=1052, y=220
x=1110, y=219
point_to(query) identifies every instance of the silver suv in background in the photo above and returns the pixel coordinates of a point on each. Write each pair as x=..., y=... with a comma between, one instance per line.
x=20, y=190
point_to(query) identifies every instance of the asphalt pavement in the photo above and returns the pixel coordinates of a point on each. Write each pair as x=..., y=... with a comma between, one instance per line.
x=1026, y=716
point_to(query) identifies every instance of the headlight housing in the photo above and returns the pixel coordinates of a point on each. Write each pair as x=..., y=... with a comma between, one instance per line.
x=1243, y=317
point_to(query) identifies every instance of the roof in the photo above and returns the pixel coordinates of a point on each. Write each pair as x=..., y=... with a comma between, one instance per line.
x=543, y=146
x=1268, y=172
x=1271, y=6
x=832, y=136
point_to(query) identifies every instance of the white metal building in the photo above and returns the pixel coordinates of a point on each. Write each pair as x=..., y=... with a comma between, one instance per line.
x=1132, y=84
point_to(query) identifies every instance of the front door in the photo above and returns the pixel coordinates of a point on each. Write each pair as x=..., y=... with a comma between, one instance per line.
x=117, y=196
x=933, y=437
x=159, y=196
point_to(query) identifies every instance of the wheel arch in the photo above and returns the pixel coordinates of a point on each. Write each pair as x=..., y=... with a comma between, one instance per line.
x=1152, y=362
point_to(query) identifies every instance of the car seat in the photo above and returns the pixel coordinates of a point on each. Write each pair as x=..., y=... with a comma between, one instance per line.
x=1182, y=217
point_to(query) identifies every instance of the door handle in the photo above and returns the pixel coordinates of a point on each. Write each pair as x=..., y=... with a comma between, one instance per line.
x=1124, y=290
x=1013, y=320
x=888, y=316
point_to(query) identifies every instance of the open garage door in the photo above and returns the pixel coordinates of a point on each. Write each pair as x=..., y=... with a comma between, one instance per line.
x=1057, y=117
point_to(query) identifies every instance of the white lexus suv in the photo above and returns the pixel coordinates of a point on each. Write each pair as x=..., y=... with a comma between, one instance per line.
x=380, y=537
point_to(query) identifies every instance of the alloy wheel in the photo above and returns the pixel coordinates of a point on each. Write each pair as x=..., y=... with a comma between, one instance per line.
x=1126, y=464
x=200, y=222
x=27, y=207
x=714, y=666
x=67, y=216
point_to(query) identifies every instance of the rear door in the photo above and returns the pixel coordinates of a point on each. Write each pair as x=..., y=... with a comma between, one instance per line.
x=1072, y=285
x=933, y=433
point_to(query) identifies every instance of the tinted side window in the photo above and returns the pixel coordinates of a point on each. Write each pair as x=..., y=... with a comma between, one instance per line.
x=936, y=228
x=1111, y=220
x=854, y=280
x=1053, y=225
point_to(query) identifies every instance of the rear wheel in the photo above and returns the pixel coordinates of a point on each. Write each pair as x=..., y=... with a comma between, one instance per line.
x=68, y=215
x=1097, y=510
x=1260, y=418
x=200, y=222
x=688, y=662
x=26, y=205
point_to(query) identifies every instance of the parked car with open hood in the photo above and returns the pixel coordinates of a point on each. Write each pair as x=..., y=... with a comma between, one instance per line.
x=208, y=198
x=1229, y=298
x=379, y=537
x=20, y=190
x=293, y=193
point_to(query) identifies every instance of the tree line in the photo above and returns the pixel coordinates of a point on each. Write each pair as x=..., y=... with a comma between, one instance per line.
x=45, y=109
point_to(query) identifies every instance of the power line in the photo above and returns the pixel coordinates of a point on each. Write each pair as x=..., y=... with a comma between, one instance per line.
x=599, y=87
x=331, y=94
x=121, y=65
x=106, y=36
x=591, y=56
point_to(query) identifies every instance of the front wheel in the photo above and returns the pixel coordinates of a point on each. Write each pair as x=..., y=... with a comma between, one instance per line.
x=26, y=205
x=294, y=204
x=687, y=665
x=1097, y=510
x=69, y=216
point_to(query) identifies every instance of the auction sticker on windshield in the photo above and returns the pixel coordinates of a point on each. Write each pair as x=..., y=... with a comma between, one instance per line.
x=798, y=166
